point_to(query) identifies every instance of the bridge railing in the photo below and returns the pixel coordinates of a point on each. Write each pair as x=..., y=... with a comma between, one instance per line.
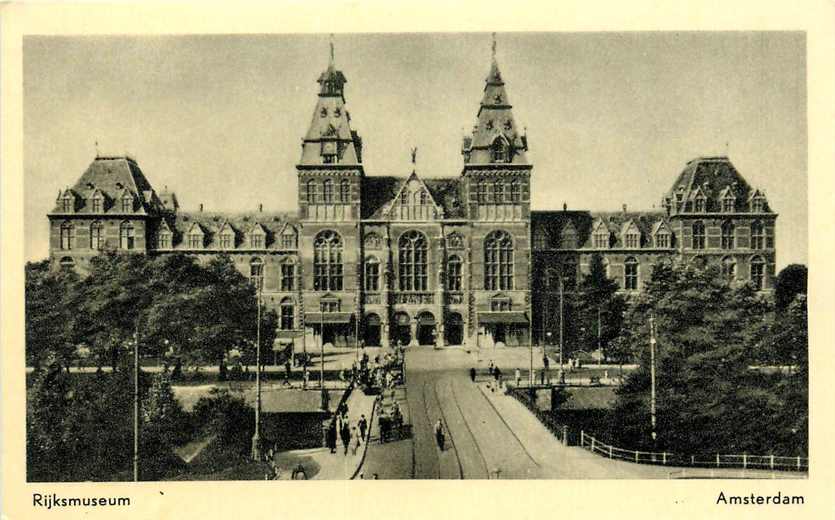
x=717, y=460
x=558, y=430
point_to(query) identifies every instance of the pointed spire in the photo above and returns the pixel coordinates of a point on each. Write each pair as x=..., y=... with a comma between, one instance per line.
x=494, y=46
x=331, y=64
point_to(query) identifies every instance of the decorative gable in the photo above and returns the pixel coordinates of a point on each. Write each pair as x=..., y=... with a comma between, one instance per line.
x=196, y=236
x=727, y=198
x=600, y=235
x=68, y=201
x=631, y=235
x=127, y=201
x=289, y=237
x=257, y=236
x=662, y=235
x=568, y=236
x=413, y=201
x=757, y=202
x=226, y=236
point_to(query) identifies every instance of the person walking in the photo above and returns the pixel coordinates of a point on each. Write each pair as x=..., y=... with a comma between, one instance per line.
x=331, y=436
x=518, y=377
x=547, y=364
x=472, y=374
x=490, y=369
x=439, y=435
x=345, y=435
x=356, y=437
x=363, y=426
x=287, y=371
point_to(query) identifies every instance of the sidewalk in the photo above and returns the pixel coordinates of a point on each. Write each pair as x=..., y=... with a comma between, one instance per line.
x=320, y=463
x=394, y=459
x=572, y=462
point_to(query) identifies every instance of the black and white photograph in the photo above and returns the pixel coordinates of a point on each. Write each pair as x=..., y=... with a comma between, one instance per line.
x=473, y=255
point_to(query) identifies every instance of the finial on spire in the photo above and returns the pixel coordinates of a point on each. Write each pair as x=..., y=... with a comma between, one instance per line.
x=414, y=155
x=493, y=46
x=97, y=148
x=331, y=46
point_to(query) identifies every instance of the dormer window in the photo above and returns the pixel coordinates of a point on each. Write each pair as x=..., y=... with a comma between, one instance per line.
x=66, y=204
x=699, y=205
x=256, y=241
x=499, y=151
x=600, y=239
x=288, y=239
x=632, y=240
x=127, y=204
x=540, y=239
x=164, y=240
x=195, y=240
x=728, y=203
x=662, y=239
x=568, y=237
x=758, y=204
x=227, y=240
x=96, y=205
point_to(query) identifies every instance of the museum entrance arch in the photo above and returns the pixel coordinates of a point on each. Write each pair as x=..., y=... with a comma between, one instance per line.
x=426, y=328
x=372, y=334
x=454, y=329
x=401, y=331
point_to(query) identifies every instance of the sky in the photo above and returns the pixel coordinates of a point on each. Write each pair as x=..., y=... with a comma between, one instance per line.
x=611, y=118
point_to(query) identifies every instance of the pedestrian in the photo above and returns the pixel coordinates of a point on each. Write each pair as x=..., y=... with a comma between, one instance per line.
x=542, y=377
x=497, y=374
x=345, y=435
x=439, y=434
x=518, y=377
x=363, y=426
x=490, y=369
x=305, y=377
x=287, y=370
x=331, y=436
x=356, y=438
x=472, y=374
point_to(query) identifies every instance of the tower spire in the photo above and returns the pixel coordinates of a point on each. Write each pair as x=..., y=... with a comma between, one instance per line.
x=331, y=48
x=493, y=47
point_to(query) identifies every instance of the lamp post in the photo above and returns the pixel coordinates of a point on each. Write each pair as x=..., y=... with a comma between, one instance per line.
x=652, y=373
x=599, y=334
x=323, y=392
x=256, y=436
x=562, y=327
x=136, y=403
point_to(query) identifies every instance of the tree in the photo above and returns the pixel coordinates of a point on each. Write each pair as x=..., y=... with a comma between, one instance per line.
x=791, y=281
x=707, y=397
x=597, y=304
x=48, y=314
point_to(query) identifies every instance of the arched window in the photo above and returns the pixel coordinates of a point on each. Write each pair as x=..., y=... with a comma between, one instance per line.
x=327, y=262
x=96, y=235
x=499, y=150
x=127, y=238
x=758, y=273
x=728, y=235
x=67, y=236
x=372, y=274
x=67, y=263
x=345, y=191
x=515, y=191
x=311, y=191
x=256, y=273
x=498, y=261
x=412, y=246
x=423, y=197
x=288, y=275
x=630, y=274
x=698, y=235
x=453, y=273
x=287, y=314
x=757, y=235
x=729, y=269
x=327, y=190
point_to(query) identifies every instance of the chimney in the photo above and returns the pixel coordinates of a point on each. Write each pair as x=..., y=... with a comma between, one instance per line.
x=201, y=207
x=260, y=208
x=564, y=206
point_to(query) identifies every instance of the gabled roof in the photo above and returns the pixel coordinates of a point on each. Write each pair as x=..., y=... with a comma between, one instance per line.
x=587, y=222
x=226, y=228
x=378, y=191
x=257, y=229
x=269, y=224
x=195, y=229
x=112, y=176
x=629, y=226
x=661, y=225
x=396, y=200
x=714, y=177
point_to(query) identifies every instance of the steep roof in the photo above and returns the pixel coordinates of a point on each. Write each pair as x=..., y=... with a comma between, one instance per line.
x=713, y=177
x=553, y=223
x=112, y=176
x=211, y=223
x=378, y=191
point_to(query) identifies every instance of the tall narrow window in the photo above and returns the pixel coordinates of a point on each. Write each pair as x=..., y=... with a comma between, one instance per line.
x=311, y=192
x=127, y=204
x=757, y=235
x=515, y=191
x=700, y=205
x=757, y=205
x=482, y=191
x=729, y=269
x=413, y=250
x=698, y=235
x=97, y=205
x=552, y=278
x=490, y=192
x=327, y=262
x=195, y=240
x=498, y=261
x=453, y=274
x=662, y=239
x=66, y=204
x=288, y=239
x=226, y=240
x=499, y=151
x=630, y=274
x=287, y=314
x=633, y=240
x=372, y=275
x=67, y=236
x=96, y=235
x=345, y=191
x=256, y=273
x=758, y=273
x=728, y=203
x=728, y=235
x=126, y=236
x=288, y=276
x=327, y=187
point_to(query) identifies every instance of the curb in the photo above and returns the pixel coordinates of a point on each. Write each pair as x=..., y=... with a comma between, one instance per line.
x=365, y=445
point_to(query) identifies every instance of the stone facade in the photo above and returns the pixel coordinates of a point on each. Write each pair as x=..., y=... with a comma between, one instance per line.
x=419, y=260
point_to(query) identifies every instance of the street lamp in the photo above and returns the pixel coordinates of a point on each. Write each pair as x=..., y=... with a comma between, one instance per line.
x=256, y=437
x=652, y=373
x=136, y=403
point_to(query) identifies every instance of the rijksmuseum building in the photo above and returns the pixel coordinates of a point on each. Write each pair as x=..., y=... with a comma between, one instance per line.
x=455, y=260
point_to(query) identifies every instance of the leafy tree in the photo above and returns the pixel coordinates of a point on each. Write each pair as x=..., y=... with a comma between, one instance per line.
x=48, y=314
x=597, y=305
x=162, y=413
x=791, y=281
x=47, y=406
x=229, y=419
x=708, y=398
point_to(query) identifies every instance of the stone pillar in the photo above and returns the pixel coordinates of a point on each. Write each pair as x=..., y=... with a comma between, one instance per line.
x=384, y=332
x=413, y=326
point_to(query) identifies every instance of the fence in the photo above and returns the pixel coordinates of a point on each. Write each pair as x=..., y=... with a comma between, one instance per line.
x=744, y=461
x=560, y=431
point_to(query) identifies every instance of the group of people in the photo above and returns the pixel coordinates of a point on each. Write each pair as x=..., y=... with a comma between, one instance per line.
x=340, y=426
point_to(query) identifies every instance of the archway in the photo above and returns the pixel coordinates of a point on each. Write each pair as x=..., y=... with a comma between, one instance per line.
x=401, y=331
x=372, y=330
x=426, y=328
x=454, y=329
